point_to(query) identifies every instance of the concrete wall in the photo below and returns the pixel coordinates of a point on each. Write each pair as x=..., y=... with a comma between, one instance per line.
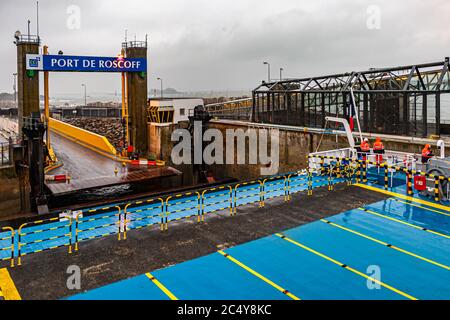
x=295, y=145
x=160, y=145
x=9, y=192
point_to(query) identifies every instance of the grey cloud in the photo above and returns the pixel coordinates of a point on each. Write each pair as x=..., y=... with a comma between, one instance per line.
x=198, y=44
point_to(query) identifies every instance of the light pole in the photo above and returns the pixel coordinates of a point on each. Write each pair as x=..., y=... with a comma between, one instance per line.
x=85, y=101
x=281, y=74
x=161, y=80
x=268, y=70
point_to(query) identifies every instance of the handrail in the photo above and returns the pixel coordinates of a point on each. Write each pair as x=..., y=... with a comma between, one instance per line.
x=12, y=243
x=28, y=224
x=165, y=224
x=230, y=200
x=126, y=214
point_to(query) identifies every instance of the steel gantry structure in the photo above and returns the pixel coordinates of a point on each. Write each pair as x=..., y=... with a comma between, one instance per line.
x=402, y=100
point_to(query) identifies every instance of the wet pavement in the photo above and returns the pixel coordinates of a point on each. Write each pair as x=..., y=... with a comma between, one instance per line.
x=106, y=260
x=88, y=169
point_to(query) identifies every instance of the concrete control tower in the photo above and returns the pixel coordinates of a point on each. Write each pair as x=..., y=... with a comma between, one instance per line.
x=137, y=98
x=27, y=80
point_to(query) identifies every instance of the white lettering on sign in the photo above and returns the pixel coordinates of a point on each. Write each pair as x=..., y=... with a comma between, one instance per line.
x=76, y=63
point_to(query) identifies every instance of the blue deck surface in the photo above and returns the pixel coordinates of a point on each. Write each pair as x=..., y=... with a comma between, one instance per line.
x=309, y=275
x=137, y=288
x=303, y=273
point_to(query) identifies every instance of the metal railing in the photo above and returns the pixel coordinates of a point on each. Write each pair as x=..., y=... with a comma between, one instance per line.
x=77, y=227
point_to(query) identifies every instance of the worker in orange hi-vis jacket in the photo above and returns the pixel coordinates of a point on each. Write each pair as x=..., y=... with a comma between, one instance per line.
x=378, y=149
x=365, y=148
x=427, y=154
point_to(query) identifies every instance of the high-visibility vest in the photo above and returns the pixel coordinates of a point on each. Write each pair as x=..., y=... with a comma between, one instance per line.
x=378, y=146
x=365, y=147
x=426, y=153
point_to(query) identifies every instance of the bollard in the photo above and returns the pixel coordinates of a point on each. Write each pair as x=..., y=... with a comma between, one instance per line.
x=386, y=176
x=409, y=183
x=358, y=172
x=436, y=188
x=364, y=171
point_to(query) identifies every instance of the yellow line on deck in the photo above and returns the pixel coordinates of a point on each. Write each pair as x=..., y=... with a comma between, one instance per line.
x=401, y=196
x=8, y=288
x=258, y=275
x=161, y=286
x=422, y=207
x=344, y=266
x=386, y=244
x=405, y=223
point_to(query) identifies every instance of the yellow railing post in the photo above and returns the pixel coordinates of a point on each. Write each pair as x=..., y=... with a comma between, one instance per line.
x=338, y=168
x=289, y=187
x=285, y=189
x=19, y=244
x=120, y=221
x=201, y=205
x=262, y=193
x=231, y=200
x=310, y=186
x=76, y=230
x=125, y=221
x=235, y=198
x=12, y=243
x=165, y=225
x=70, y=235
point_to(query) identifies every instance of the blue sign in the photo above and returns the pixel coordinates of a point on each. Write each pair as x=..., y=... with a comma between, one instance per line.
x=85, y=64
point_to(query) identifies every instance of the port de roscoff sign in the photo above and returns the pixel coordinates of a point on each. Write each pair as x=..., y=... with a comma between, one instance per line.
x=84, y=64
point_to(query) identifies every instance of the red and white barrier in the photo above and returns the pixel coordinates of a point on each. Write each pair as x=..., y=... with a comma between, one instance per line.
x=57, y=178
x=147, y=163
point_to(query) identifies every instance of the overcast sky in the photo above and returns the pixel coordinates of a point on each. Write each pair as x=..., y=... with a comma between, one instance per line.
x=221, y=44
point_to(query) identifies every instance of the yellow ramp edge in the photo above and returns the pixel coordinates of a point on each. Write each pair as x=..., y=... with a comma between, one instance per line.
x=401, y=196
x=7, y=287
x=83, y=137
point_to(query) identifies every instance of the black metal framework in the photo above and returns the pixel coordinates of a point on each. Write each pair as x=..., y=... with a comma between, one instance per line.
x=402, y=100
